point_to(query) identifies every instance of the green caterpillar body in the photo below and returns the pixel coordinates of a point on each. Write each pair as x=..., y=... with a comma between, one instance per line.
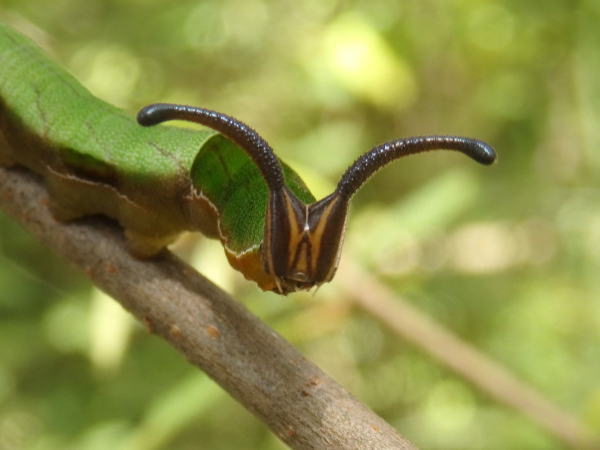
x=157, y=182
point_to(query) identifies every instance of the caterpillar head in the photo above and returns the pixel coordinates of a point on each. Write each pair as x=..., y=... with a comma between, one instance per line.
x=302, y=242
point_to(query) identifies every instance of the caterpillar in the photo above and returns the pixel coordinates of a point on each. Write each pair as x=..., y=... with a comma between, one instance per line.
x=157, y=181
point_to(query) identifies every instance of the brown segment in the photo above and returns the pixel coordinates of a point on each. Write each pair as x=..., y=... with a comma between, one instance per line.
x=268, y=263
x=300, y=263
x=296, y=230
x=314, y=234
x=317, y=235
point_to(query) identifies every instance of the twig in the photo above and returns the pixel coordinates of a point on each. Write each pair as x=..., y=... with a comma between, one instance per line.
x=302, y=406
x=477, y=368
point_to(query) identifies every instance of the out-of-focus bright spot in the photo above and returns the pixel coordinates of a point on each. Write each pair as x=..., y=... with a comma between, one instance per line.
x=110, y=329
x=66, y=325
x=491, y=26
x=210, y=260
x=366, y=65
x=492, y=247
x=109, y=72
x=450, y=408
x=204, y=26
x=483, y=247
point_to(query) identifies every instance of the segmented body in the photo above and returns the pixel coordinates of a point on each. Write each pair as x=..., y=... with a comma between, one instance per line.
x=156, y=182
x=159, y=181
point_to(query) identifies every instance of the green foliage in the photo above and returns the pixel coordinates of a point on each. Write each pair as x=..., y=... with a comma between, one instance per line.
x=506, y=256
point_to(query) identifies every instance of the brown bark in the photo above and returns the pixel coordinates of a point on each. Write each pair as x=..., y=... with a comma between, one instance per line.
x=301, y=404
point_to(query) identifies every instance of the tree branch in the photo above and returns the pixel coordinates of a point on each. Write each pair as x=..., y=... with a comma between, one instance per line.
x=301, y=404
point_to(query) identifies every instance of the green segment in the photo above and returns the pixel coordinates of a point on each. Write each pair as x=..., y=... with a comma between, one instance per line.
x=150, y=165
x=90, y=134
x=231, y=181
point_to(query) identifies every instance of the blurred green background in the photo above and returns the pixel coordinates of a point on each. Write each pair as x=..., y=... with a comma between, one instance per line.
x=508, y=257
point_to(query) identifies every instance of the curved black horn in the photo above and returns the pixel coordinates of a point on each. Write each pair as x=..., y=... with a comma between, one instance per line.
x=240, y=133
x=369, y=163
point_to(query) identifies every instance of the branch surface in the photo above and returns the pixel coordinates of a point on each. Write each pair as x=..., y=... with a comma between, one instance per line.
x=303, y=406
